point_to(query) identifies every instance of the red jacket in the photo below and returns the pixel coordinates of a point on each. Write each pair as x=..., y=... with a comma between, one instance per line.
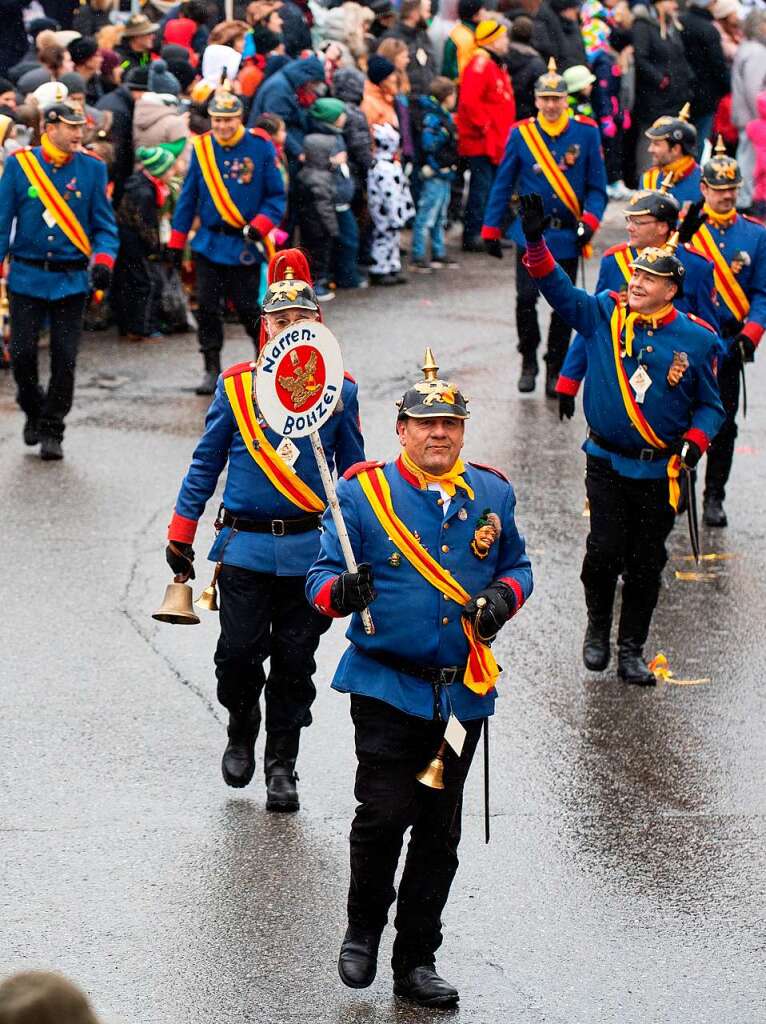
x=486, y=109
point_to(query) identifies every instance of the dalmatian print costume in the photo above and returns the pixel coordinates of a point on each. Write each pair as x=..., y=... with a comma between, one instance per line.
x=389, y=199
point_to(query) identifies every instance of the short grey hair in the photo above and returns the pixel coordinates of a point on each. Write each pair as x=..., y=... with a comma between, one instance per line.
x=754, y=26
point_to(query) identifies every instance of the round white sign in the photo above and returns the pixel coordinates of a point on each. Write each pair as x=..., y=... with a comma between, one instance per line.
x=299, y=378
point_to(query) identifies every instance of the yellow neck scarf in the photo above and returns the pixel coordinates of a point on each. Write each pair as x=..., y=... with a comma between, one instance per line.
x=449, y=481
x=650, y=318
x=678, y=167
x=52, y=153
x=721, y=220
x=553, y=128
x=237, y=137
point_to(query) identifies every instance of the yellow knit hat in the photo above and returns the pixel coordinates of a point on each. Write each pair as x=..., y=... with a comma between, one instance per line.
x=489, y=30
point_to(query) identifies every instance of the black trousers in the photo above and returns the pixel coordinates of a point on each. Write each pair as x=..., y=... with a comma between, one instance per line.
x=266, y=616
x=47, y=408
x=527, y=326
x=217, y=282
x=721, y=452
x=629, y=523
x=391, y=748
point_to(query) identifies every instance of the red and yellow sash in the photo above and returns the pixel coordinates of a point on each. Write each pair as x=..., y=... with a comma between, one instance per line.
x=53, y=201
x=680, y=169
x=727, y=286
x=227, y=208
x=239, y=388
x=481, y=669
x=624, y=258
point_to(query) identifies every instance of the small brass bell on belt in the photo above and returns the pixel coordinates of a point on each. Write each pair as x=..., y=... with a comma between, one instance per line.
x=177, y=608
x=208, y=599
x=433, y=773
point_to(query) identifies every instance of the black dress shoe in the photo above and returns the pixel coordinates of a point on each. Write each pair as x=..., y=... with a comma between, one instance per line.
x=238, y=763
x=383, y=280
x=282, y=793
x=50, y=449
x=424, y=986
x=713, y=512
x=474, y=244
x=528, y=377
x=31, y=433
x=358, y=959
x=207, y=385
x=595, y=647
x=632, y=668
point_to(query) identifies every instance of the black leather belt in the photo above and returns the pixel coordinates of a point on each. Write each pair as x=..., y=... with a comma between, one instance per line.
x=225, y=229
x=444, y=676
x=276, y=527
x=640, y=454
x=58, y=266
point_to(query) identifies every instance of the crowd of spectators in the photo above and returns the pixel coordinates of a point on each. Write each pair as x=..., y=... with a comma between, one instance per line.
x=383, y=116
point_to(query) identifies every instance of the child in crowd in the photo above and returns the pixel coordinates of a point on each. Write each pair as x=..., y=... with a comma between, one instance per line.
x=390, y=205
x=438, y=162
x=580, y=88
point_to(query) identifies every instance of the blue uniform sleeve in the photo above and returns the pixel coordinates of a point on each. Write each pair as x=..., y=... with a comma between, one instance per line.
x=502, y=189
x=704, y=299
x=210, y=457
x=515, y=569
x=186, y=207
x=274, y=200
x=104, y=235
x=757, y=289
x=707, y=413
x=349, y=445
x=595, y=199
x=574, y=368
x=8, y=203
x=575, y=306
x=330, y=562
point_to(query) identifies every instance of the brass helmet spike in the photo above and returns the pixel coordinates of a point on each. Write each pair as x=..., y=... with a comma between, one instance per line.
x=552, y=65
x=672, y=242
x=684, y=112
x=430, y=366
x=289, y=274
x=720, y=146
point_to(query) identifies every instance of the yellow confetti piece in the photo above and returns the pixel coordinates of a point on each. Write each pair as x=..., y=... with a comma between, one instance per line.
x=688, y=682
x=660, y=667
x=711, y=557
x=700, y=577
x=586, y=510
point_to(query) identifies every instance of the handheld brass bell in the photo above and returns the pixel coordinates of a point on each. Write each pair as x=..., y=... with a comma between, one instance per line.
x=208, y=599
x=433, y=773
x=176, y=607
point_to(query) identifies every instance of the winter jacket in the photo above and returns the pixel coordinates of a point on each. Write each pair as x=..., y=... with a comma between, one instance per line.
x=486, y=108
x=155, y=121
x=120, y=103
x=756, y=132
x=315, y=185
x=436, y=137
x=295, y=32
x=525, y=65
x=88, y=21
x=748, y=79
x=13, y=39
x=137, y=215
x=378, y=106
x=458, y=50
x=557, y=37
x=702, y=45
x=348, y=85
x=421, y=69
x=664, y=80
x=278, y=95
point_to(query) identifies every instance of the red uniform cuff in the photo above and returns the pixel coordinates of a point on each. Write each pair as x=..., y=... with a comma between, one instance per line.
x=567, y=386
x=182, y=529
x=262, y=223
x=490, y=233
x=591, y=220
x=323, y=600
x=103, y=259
x=753, y=331
x=518, y=593
x=699, y=437
x=538, y=259
x=177, y=239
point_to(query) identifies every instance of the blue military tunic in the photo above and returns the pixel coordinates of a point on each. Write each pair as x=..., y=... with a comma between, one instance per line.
x=699, y=297
x=413, y=620
x=252, y=179
x=250, y=494
x=577, y=151
x=691, y=409
x=685, y=188
x=81, y=181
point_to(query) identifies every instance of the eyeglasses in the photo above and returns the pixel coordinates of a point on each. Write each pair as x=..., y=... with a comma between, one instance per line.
x=631, y=218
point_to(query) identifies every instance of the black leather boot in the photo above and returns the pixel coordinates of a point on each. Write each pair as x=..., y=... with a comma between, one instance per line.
x=528, y=375
x=31, y=433
x=358, y=959
x=422, y=985
x=50, y=449
x=551, y=379
x=210, y=377
x=279, y=767
x=595, y=648
x=713, y=513
x=631, y=667
x=238, y=764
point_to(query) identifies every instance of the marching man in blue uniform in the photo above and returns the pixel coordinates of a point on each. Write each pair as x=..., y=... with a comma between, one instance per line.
x=672, y=145
x=737, y=246
x=652, y=405
x=55, y=195
x=267, y=537
x=443, y=568
x=235, y=188
x=650, y=218
x=558, y=156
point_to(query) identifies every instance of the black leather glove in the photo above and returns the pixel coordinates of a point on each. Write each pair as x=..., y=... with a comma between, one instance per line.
x=353, y=591
x=180, y=558
x=492, y=247
x=252, y=234
x=692, y=222
x=488, y=619
x=100, y=277
x=533, y=219
x=746, y=348
x=566, y=406
x=690, y=453
x=583, y=235
x=175, y=257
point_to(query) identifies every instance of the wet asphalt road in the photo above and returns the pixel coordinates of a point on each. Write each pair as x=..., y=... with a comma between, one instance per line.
x=626, y=877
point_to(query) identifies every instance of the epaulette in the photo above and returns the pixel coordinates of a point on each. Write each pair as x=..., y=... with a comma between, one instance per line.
x=617, y=296
x=583, y=119
x=697, y=252
x=617, y=248
x=93, y=156
x=490, y=469
x=348, y=377
x=238, y=368
x=703, y=323
x=753, y=220
x=359, y=467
